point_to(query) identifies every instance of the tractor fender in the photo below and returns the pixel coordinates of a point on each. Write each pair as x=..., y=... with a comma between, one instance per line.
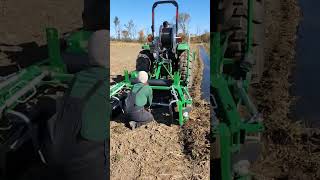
x=146, y=47
x=183, y=47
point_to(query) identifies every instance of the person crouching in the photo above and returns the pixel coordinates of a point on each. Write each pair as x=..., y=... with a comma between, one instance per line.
x=138, y=102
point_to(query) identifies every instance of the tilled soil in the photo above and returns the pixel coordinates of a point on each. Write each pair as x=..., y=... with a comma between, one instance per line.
x=291, y=151
x=25, y=21
x=23, y=24
x=160, y=150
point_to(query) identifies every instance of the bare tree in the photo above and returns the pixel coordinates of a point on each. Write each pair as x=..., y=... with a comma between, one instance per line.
x=183, y=22
x=198, y=31
x=125, y=34
x=116, y=22
x=134, y=32
x=119, y=31
x=130, y=27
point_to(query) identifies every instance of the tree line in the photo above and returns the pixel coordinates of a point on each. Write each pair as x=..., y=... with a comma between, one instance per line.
x=128, y=31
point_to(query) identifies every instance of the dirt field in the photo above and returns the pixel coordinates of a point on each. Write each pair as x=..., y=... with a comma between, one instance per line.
x=123, y=56
x=23, y=23
x=158, y=150
x=290, y=150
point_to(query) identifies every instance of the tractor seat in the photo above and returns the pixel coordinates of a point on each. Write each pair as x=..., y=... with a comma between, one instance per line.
x=154, y=82
x=167, y=37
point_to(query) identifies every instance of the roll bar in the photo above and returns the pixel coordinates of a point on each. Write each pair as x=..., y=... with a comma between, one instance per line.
x=165, y=2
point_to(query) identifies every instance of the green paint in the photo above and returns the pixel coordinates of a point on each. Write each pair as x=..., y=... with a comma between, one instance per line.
x=54, y=49
x=183, y=47
x=146, y=46
x=184, y=98
x=225, y=145
x=77, y=42
x=250, y=27
x=229, y=92
x=29, y=79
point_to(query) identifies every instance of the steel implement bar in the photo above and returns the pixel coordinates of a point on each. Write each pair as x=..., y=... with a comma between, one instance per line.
x=158, y=70
x=160, y=104
x=250, y=27
x=223, y=94
x=61, y=76
x=180, y=93
x=2, y=78
x=54, y=49
x=11, y=79
x=161, y=87
x=188, y=62
x=29, y=86
x=186, y=92
x=181, y=121
x=25, y=75
x=245, y=99
x=252, y=127
x=216, y=65
x=116, y=88
x=228, y=106
x=225, y=151
x=169, y=71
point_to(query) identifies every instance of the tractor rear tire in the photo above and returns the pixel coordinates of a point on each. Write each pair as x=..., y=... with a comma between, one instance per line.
x=235, y=22
x=183, y=59
x=94, y=16
x=143, y=62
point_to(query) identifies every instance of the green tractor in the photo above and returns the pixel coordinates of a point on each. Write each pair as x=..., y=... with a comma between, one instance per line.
x=237, y=60
x=168, y=61
x=168, y=46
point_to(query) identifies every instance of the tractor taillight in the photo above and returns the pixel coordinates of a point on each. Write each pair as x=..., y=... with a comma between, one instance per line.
x=150, y=38
x=179, y=39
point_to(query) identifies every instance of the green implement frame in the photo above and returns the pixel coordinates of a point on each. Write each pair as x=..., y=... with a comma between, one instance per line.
x=166, y=64
x=180, y=94
x=230, y=129
x=163, y=70
x=22, y=85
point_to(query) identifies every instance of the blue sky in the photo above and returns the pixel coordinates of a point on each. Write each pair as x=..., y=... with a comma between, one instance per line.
x=140, y=12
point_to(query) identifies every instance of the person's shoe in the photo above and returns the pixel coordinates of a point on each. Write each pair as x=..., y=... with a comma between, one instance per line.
x=133, y=124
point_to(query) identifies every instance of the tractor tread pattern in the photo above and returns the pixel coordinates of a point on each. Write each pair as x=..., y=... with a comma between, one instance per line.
x=183, y=58
x=143, y=62
x=235, y=20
